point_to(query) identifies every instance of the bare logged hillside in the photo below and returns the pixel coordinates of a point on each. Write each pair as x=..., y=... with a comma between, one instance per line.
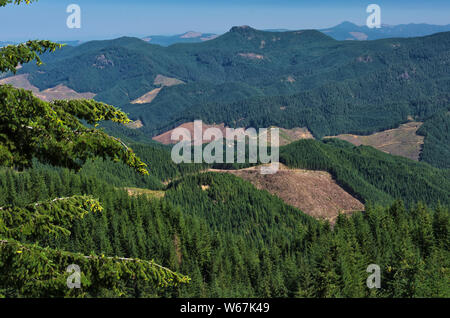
x=162, y=80
x=313, y=192
x=50, y=94
x=287, y=136
x=402, y=141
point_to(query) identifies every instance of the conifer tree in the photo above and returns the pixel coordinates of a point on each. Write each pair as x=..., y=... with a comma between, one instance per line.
x=53, y=132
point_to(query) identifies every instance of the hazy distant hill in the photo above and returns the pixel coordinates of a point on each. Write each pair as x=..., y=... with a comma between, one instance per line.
x=351, y=31
x=71, y=43
x=344, y=31
x=5, y=43
x=188, y=37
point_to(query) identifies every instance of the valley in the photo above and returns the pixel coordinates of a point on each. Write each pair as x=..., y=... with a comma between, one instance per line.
x=90, y=188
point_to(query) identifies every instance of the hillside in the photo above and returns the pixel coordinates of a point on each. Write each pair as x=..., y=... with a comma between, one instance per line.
x=403, y=141
x=355, y=202
x=58, y=92
x=333, y=166
x=234, y=240
x=231, y=248
x=313, y=192
x=286, y=136
x=252, y=78
x=369, y=174
x=436, y=132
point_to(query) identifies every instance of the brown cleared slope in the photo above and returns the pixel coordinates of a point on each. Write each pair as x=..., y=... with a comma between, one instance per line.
x=402, y=141
x=62, y=92
x=20, y=81
x=313, y=192
x=146, y=192
x=287, y=136
x=147, y=97
x=165, y=138
x=162, y=80
x=50, y=94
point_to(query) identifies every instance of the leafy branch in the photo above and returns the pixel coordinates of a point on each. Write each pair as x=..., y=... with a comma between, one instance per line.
x=3, y=3
x=53, y=132
x=12, y=56
x=41, y=272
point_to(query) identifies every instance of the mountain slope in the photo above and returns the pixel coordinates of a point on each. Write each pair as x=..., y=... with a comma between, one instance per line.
x=436, y=131
x=248, y=77
x=313, y=192
x=369, y=174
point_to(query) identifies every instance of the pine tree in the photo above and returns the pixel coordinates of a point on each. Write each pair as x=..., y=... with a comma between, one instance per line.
x=53, y=132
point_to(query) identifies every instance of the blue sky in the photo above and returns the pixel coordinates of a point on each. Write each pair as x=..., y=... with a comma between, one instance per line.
x=112, y=18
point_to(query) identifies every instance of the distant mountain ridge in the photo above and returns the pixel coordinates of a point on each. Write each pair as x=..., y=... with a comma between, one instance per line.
x=350, y=31
x=187, y=37
x=343, y=31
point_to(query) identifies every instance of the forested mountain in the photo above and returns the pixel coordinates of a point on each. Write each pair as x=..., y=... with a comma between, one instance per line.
x=249, y=63
x=343, y=31
x=437, y=139
x=236, y=241
x=256, y=78
x=139, y=225
x=369, y=174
